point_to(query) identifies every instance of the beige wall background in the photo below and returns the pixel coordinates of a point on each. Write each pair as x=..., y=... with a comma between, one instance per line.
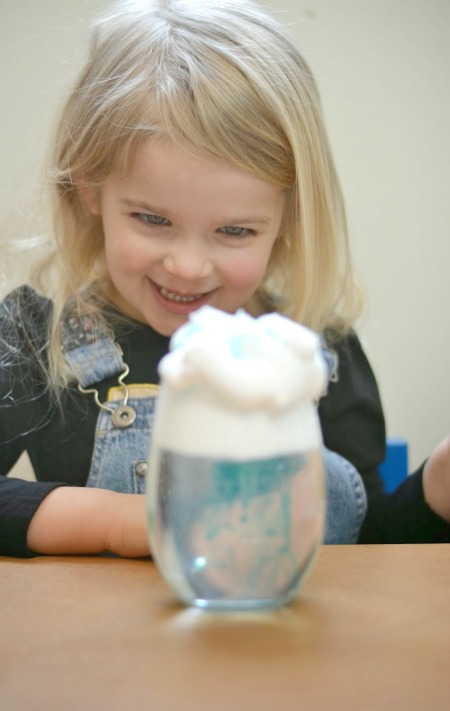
x=382, y=68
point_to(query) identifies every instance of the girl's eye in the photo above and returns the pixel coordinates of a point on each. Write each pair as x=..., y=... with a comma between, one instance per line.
x=236, y=231
x=150, y=219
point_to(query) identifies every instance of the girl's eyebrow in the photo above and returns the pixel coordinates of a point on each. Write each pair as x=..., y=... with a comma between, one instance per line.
x=249, y=219
x=244, y=219
x=141, y=205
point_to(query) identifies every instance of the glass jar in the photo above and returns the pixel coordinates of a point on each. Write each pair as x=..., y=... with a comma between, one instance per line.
x=235, y=491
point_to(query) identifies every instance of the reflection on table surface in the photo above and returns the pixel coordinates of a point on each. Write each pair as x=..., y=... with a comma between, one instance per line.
x=370, y=629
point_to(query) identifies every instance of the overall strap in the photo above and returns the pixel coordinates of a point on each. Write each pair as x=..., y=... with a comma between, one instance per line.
x=93, y=356
x=331, y=359
x=89, y=349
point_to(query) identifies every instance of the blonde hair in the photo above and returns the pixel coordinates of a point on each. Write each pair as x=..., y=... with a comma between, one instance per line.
x=224, y=77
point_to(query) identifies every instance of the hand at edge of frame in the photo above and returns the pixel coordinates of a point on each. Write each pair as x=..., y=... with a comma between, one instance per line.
x=436, y=480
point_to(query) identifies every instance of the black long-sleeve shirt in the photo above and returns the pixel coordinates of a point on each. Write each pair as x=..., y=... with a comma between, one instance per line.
x=60, y=439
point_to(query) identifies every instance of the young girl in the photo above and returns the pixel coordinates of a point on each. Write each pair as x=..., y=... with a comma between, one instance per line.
x=190, y=167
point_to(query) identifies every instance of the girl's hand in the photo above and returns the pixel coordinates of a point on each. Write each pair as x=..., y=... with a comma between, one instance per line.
x=436, y=480
x=78, y=520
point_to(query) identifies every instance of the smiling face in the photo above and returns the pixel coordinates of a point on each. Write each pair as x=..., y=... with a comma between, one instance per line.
x=183, y=230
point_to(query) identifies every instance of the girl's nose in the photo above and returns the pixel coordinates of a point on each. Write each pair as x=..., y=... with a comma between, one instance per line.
x=187, y=263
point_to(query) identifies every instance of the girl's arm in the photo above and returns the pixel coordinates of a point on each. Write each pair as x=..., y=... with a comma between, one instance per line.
x=78, y=520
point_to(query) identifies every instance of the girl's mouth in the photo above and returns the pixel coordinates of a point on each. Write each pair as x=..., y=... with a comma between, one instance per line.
x=178, y=303
x=180, y=298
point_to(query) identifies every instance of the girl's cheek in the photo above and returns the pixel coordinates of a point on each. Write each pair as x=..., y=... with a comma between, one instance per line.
x=134, y=251
x=246, y=271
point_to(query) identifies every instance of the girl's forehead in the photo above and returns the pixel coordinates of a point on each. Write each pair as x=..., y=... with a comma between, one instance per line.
x=163, y=157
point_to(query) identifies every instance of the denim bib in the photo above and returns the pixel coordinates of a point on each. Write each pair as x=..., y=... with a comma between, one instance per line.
x=119, y=461
x=125, y=424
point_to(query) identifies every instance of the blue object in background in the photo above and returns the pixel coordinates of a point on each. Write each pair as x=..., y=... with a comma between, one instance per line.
x=394, y=469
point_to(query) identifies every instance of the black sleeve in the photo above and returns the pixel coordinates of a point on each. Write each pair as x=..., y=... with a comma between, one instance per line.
x=19, y=501
x=403, y=516
x=23, y=405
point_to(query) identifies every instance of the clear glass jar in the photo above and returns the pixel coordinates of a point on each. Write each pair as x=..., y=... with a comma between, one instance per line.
x=236, y=494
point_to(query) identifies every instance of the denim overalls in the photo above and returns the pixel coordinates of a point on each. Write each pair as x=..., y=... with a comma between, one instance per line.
x=125, y=422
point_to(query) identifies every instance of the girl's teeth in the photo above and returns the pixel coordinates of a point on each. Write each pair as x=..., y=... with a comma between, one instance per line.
x=177, y=297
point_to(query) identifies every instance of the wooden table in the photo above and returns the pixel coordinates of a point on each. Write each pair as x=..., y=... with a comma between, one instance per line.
x=369, y=630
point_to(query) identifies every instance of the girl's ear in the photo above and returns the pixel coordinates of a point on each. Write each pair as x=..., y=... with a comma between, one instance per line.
x=91, y=199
